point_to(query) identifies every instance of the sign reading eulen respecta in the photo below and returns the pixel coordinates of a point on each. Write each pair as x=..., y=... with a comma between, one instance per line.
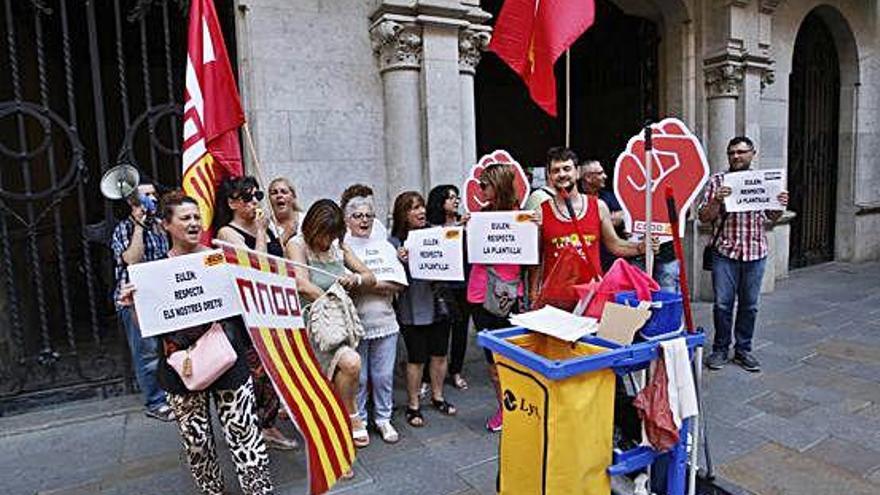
x=182, y=292
x=436, y=254
x=753, y=190
x=505, y=237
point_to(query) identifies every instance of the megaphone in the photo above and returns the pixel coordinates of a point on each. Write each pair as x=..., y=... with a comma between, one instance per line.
x=120, y=182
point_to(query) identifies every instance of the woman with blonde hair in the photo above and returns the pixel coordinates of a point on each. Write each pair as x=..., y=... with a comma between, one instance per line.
x=285, y=209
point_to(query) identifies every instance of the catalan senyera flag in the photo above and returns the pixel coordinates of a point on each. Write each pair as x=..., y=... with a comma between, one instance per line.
x=287, y=356
x=212, y=111
x=530, y=35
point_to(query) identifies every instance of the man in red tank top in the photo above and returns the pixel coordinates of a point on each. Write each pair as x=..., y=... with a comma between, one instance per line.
x=557, y=231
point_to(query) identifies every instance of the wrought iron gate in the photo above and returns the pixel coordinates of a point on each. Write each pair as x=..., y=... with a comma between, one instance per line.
x=814, y=89
x=86, y=85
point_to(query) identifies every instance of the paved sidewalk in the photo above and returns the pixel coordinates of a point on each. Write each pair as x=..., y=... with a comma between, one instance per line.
x=809, y=424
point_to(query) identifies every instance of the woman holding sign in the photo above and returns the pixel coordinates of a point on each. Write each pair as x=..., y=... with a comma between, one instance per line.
x=232, y=391
x=425, y=325
x=324, y=261
x=378, y=347
x=494, y=290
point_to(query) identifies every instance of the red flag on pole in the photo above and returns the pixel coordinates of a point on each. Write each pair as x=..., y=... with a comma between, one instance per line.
x=212, y=111
x=530, y=35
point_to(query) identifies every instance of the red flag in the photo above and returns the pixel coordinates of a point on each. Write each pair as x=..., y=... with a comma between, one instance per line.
x=212, y=111
x=530, y=35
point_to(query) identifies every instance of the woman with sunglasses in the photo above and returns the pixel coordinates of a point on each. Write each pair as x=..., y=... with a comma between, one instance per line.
x=239, y=220
x=425, y=330
x=322, y=260
x=378, y=347
x=499, y=194
x=232, y=392
x=442, y=211
x=285, y=209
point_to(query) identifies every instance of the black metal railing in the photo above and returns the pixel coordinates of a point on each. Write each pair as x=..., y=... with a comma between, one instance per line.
x=85, y=85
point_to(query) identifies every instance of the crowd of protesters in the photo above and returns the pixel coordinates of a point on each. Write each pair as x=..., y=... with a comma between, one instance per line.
x=433, y=318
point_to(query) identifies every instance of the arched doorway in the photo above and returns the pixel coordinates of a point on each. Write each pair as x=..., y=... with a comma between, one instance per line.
x=614, y=80
x=814, y=100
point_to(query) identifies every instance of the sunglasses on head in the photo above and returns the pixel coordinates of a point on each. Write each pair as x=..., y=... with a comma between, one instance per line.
x=484, y=185
x=249, y=196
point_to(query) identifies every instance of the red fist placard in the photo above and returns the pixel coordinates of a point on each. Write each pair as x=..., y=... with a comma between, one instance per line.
x=677, y=160
x=473, y=195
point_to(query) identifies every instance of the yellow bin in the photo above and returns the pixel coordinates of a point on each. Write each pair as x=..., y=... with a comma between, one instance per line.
x=557, y=435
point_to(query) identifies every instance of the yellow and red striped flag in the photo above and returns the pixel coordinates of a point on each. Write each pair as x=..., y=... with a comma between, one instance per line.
x=265, y=284
x=212, y=111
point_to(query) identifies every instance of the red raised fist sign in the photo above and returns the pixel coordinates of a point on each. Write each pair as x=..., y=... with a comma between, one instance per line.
x=473, y=194
x=677, y=160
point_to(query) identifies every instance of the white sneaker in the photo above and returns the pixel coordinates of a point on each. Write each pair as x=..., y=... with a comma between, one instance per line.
x=389, y=434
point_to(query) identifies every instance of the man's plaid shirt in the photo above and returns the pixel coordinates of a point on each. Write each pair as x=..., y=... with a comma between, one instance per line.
x=743, y=237
x=155, y=248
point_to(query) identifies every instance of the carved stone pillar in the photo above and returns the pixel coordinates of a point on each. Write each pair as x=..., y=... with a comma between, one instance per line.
x=723, y=86
x=398, y=45
x=471, y=43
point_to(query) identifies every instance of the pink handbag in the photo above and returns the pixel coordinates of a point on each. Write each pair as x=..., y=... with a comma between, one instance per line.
x=206, y=360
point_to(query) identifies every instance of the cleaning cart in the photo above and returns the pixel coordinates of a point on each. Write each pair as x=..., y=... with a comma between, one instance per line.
x=558, y=418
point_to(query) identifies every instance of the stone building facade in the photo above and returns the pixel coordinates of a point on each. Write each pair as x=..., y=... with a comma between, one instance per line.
x=382, y=91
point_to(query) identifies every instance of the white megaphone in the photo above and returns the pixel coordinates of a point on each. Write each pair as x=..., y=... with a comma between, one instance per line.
x=120, y=182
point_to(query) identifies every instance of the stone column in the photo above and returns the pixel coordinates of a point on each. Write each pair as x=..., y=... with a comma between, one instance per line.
x=441, y=100
x=471, y=42
x=723, y=84
x=398, y=45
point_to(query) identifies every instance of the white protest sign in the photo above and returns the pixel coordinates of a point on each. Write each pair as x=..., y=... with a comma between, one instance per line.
x=505, y=237
x=267, y=300
x=182, y=292
x=754, y=190
x=379, y=256
x=436, y=253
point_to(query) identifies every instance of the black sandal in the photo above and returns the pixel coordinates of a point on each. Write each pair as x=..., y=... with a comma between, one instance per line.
x=414, y=418
x=444, y=407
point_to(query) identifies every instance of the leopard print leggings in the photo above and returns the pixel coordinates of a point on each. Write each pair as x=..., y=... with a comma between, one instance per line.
x=239, y=423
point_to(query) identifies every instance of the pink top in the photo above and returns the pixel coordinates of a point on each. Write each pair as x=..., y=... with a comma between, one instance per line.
x=476, y=288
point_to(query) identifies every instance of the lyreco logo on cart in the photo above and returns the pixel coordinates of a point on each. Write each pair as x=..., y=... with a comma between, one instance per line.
x=512, y=403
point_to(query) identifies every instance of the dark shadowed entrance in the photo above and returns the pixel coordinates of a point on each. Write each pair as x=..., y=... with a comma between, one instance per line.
x=814, y=87
x=614, y=76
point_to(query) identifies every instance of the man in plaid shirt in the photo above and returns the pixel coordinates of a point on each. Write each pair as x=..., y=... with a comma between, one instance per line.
x=740, y=255
x=136, y=239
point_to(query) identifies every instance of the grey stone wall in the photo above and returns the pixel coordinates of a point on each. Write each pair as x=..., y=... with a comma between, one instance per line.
x=313, y=94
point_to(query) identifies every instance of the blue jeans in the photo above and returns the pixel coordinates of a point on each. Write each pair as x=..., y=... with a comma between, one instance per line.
x=738, y=281
x=377, y=367
x=144, y=359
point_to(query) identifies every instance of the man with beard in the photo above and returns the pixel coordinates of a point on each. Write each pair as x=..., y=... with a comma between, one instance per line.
x=738, y=261
x=593, y=219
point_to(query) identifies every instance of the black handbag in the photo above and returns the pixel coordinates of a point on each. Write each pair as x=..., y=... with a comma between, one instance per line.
x=709, y=250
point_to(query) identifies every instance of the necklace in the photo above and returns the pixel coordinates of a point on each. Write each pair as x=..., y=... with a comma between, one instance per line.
x=579, y=209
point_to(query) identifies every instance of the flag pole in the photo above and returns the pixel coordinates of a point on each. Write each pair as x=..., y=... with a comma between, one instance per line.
x=649, y=189
x=568, y=98
x=258, y=169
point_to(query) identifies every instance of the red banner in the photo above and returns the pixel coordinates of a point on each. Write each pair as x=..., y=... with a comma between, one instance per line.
x=212, y=111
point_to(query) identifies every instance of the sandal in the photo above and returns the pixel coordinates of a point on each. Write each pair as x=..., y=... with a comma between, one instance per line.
x=459, y=382
x=389, y=434
x=414, y=417
x=359, y=435
x=444, y=407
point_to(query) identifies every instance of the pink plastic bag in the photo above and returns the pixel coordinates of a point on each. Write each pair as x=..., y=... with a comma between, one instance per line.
x=620, y=277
